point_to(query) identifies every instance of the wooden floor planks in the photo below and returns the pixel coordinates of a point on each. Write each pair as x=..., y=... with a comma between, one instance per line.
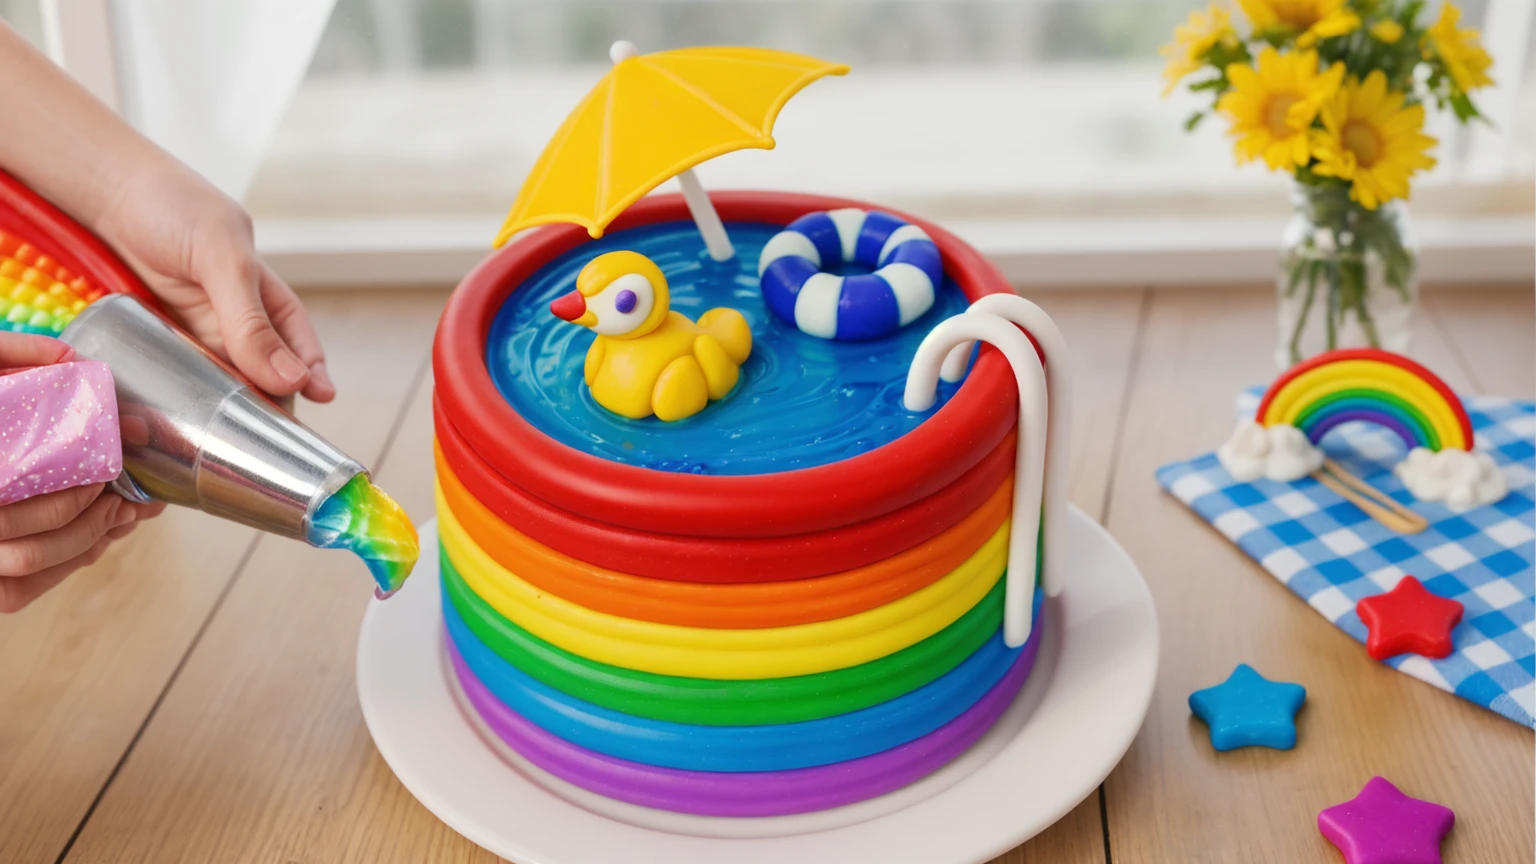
x=258, y=699
x=82, y=669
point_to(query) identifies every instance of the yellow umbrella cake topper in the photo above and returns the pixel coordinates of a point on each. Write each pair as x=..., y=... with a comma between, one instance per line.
x=653, y=117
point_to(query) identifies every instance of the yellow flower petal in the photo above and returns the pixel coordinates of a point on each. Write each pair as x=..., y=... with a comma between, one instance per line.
x=1387, y=31
x=1260, y=14
x=1367, y=98
x=1193, y=40
x=1460, y=49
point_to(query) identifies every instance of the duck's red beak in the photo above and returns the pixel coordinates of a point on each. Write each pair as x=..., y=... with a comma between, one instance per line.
x=570, y=307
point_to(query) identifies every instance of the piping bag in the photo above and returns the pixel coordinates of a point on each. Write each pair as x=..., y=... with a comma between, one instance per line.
x=197, y=435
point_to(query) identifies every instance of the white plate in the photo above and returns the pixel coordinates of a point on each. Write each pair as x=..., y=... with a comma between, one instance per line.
x=1061, y=737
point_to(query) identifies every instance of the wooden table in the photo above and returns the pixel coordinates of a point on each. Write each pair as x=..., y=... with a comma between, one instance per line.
x=191, y=698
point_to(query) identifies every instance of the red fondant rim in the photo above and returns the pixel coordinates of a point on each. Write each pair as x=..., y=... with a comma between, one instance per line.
x=720, y=559
x=913, y=467
x=25, y=213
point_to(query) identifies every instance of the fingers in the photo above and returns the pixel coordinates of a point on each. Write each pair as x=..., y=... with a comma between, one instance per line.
x=54, y=535
x=141, y=513
x=234, y=287
x=122, y=531
x=17, y=592
x=46, y=512
x=292, y=323
x=20, y=350
x=32, y=564
x=31, y=555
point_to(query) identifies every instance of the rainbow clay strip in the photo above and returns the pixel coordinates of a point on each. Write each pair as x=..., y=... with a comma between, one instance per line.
x=1397, y=414
x=750, y=794
x=774, y=652
x=710, y=702
x=37, y=294
x=360, y=518
x=1391, y=381
x=736, y=748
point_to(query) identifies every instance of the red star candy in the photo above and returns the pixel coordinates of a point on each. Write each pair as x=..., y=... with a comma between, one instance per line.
x=1408, y=619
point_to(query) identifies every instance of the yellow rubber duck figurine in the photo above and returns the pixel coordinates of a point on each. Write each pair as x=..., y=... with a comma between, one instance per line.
x=648, y=359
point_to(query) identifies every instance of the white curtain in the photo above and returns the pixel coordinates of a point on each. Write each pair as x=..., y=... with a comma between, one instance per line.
x=209, y=80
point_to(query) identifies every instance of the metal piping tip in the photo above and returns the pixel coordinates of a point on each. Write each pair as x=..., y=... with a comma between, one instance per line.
x=197, y=435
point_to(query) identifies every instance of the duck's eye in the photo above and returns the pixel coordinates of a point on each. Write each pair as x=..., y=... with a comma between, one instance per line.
x=623, y=305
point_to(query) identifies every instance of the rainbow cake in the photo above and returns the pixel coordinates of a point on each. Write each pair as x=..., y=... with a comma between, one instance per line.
x=737, y=521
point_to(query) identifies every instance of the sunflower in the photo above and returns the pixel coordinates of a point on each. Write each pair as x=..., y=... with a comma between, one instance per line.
x=1460, y=49
x=1272, y=107
x=1310, y=19
x=1371, y=138
x=1194, y=39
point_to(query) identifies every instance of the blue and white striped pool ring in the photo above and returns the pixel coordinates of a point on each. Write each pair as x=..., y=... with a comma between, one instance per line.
x=906, y=264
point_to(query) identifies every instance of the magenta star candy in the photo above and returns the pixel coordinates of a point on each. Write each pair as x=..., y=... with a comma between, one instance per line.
x=1381, y=825
x=58, y=429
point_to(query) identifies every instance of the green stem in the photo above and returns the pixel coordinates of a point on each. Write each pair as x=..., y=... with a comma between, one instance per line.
x=1306, y=306
x=1298, y=263
x=1368, y=325
x=1335, y=313
x=1336, y=243
x=1353, y=266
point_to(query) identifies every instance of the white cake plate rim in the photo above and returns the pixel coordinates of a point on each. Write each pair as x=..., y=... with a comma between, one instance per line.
x=1079, y=712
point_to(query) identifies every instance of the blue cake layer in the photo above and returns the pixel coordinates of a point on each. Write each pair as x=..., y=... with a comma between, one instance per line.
x=802, y=401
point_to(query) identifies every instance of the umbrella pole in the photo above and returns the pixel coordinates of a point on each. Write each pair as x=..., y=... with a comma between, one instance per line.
x=699, y=205
x=705, y=216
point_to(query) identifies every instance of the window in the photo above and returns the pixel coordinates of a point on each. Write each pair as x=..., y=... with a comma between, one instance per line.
x=1034, y=127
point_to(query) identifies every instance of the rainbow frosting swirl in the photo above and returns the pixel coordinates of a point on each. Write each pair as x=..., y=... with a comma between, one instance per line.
x=360, y=518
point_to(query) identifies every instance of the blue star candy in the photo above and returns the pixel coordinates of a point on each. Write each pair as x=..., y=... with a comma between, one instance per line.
x=1249, y=710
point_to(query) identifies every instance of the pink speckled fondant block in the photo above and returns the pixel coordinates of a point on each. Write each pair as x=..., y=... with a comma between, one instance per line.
x=58, y=429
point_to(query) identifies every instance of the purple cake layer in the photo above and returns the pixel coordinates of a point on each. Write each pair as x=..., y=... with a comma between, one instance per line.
x=745, y=794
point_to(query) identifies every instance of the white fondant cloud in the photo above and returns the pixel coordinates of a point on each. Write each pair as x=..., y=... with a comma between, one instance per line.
x=1461, y=479
x=1281, y=453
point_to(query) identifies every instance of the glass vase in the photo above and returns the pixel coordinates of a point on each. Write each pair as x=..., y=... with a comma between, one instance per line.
x=1348, y=276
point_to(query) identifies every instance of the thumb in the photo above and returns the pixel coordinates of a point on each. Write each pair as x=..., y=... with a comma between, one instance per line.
x=234, y=291
x=21, y=350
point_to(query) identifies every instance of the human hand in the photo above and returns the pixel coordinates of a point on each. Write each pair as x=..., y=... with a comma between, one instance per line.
x=190, y=243
x=194, y=249
x=46, y=538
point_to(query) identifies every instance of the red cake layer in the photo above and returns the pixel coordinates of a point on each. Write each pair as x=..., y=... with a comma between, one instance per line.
x=900, y=484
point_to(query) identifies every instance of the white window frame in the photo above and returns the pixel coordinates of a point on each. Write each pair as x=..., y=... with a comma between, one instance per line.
x=1033, y=254
x=1039, y=255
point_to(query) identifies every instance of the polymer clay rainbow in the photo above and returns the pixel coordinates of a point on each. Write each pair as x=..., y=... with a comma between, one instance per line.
x=1366, y=385
x=1370, y=385
x=38, y=294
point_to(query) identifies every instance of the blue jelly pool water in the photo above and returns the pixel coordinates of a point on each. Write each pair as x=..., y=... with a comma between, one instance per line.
x=801, y=401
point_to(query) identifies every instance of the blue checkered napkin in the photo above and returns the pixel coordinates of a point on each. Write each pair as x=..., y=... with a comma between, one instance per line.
x=1333, y=555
